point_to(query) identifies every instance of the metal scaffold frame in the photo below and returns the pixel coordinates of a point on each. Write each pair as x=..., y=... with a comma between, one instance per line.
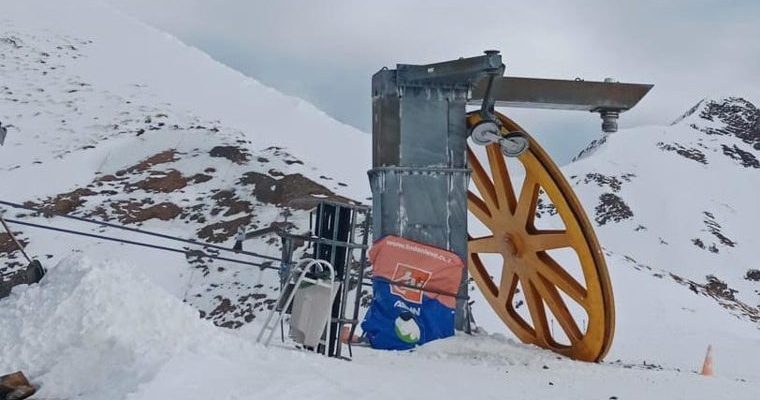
x=338, y=231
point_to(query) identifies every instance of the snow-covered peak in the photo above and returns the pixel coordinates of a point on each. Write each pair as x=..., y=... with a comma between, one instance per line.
x=731, y=116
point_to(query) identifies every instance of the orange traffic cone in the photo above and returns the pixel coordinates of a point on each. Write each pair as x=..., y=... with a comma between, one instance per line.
x=707, y=366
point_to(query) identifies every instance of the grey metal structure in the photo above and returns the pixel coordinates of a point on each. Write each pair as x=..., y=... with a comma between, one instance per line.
x=419, y=174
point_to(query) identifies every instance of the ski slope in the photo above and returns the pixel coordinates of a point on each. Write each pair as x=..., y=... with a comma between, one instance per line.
x=76, y=333
x=112, y=119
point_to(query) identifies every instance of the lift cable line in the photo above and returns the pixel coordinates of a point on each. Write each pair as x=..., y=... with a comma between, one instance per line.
x=135, y=230
x=262, y=266
x=136, y=243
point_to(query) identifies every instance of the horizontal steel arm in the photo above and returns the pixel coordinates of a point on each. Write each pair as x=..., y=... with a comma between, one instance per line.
x=455, y=72
x=561, y=94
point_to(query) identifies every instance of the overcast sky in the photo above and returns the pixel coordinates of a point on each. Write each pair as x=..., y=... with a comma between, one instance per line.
x=326, y=51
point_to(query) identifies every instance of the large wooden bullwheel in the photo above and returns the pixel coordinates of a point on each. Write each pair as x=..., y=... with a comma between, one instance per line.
x=581, y=303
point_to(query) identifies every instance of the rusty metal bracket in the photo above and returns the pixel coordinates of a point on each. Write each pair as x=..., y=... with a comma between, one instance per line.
x=608, y=98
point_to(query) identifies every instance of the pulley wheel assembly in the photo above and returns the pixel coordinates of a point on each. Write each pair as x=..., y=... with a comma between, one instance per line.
x=538, y=295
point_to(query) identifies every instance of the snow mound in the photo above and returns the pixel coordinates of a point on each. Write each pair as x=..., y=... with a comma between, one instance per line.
x=87, y=324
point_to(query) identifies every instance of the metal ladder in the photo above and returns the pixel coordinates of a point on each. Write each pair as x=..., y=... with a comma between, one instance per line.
x=296, y=277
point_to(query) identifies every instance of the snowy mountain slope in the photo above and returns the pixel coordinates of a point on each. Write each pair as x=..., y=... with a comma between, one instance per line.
x=121, y=56
x=115, y=120
x=100, y=124
x=679, y=203
x=683, y=198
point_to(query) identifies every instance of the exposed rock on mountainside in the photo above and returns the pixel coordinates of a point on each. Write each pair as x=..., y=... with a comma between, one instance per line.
x=152, y=164
x=736, y=117
x=690, y=188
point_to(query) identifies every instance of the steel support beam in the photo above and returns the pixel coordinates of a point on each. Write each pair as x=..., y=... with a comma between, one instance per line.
x=608, y=98
x=556, y=94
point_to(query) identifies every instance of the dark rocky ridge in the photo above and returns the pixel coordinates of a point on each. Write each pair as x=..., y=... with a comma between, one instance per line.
x=739, y=117
x=690, y=153
x=745, y=158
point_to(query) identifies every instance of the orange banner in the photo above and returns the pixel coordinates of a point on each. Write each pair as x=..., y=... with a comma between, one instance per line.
x=415, y=264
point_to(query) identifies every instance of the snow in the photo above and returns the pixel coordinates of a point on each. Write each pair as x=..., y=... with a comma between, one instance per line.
x=119, y=322
x=79, y=329
x=96, y=330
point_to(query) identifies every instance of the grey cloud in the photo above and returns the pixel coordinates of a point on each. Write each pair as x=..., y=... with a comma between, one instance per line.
x=326, y=51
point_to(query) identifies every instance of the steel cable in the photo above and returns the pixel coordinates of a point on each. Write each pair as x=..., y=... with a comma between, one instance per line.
x=136, y=243
x=180, y=251
x=135, y=230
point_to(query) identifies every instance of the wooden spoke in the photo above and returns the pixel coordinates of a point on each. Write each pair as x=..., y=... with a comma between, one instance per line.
x=482, y=277
x=479, y=209
x=553, y=272
x=526, y=205
x=536, y=309
x=545, y=283
x=548, y=240
x=482, y=181
x=505, y=194
x=508, y=284
x=559, y=309
x=487, y=244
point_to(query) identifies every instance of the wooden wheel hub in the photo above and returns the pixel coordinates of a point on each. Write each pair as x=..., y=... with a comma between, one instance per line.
x=512, y=245
x=581, y=304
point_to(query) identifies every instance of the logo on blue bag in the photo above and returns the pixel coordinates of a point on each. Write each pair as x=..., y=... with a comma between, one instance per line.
x=407, y=329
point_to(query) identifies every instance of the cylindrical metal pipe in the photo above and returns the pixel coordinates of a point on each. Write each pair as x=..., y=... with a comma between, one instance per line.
x=609, y=120
x=609, y=117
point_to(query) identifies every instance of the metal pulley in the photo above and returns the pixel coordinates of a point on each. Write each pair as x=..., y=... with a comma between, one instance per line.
x=490, y=129
x=513, y=144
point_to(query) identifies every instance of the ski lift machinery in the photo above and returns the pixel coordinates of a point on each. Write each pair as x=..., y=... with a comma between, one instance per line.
x=424, y=157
